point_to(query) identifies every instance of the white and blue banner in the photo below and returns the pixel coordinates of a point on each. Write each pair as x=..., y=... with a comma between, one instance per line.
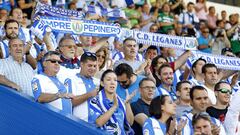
x=124, y=3
x=222, y=62
x=101, y=29
x=163, y=40
x=99, y=9
x=48, y=10
x=39, y=29
x=81, y=27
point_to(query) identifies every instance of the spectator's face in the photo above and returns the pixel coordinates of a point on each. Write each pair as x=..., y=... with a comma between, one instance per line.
x=205, y=33
x=24, y=18
x=212, y=10
x=166, y=76
x=203, y=127
x=153, y=29
x=224, y=15
x=222, y=97
x=169, y=107
x=67, y=48
x=89, y=68
x=101, y=58
x=190, y=8
x=151, y=53
x=200, y=100
x=130, y=48
x=12, y=30
x=221, y=25
x=159, y=63
x=124, y=81
x=16, y=48
x=166, y=8
x=51, y=64
x=211, y=76
x=198, y=68
x=183, y=93
x=110, y=83
x=44, y=1
x=146, y=8
x=147, y=90
x=3, y=14
x=17, y=14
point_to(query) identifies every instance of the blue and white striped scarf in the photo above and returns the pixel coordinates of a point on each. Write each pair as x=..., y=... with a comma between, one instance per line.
x=100, y=105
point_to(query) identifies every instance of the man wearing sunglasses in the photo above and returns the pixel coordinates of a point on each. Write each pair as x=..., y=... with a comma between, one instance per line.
x=47, y=87
x=223, y=93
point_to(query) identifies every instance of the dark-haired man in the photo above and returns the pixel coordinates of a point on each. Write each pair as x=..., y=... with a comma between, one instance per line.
x=140, y=108
x=199, y=102
x=84, y=85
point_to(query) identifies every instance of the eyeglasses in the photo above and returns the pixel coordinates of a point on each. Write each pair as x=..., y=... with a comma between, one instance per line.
x=54, y=61
x=148, y=87
x=205, y=31
x=24, y=16
x=223, y=90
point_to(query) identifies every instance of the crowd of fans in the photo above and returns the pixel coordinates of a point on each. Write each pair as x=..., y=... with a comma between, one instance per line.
x=121, y=86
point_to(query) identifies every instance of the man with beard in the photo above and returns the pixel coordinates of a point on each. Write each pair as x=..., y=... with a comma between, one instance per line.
x=166, y=76
x=127, y=81
x=84, y=85
x=12, y=30
x=223, y=93
x=67, y=49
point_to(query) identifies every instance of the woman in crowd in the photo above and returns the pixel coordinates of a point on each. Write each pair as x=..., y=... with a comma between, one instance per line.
x=161, y=110
x=104, y=62
x=108, y=111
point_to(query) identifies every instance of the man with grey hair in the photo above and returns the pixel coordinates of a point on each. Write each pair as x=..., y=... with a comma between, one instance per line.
x=14, y=72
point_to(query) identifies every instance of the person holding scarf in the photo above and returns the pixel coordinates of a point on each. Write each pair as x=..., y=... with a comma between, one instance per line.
x=108, y=111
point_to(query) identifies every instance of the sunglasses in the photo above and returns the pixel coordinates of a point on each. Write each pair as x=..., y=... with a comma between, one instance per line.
x=200, y=115
x=54, y=61
x=225, y=91
x=205, y=31
x=123, y=82
x=89, y=54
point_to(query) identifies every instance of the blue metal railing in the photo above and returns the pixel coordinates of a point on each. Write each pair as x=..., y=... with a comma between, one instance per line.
x=20, y=115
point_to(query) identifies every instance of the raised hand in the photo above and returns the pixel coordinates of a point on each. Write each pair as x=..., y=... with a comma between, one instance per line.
x=129, y=97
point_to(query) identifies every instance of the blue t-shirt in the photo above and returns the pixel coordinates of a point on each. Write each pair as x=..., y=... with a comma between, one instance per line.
x=134, y=86
x=205, y=41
